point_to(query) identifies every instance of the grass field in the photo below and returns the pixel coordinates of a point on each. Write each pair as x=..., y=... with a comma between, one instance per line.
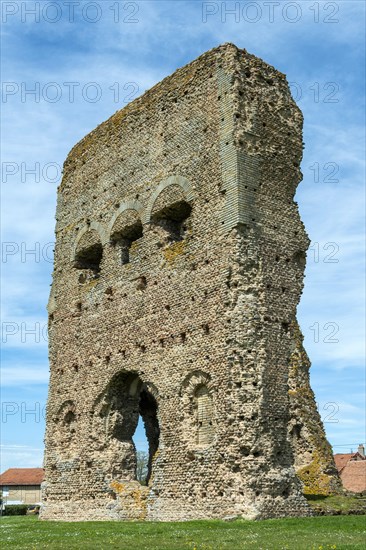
x=317, y=533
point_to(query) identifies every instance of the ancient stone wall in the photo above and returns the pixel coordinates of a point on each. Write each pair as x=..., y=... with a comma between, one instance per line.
x=314, y=462
x=178, y=268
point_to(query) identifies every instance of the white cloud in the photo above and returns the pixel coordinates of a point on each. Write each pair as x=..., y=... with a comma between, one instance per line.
x=21, y=456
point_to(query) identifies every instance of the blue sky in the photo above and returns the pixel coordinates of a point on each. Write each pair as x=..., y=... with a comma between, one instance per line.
x=130, y=47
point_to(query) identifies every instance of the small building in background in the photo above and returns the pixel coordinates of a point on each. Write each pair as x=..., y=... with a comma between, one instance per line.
x=21, y=486
x=352, y=470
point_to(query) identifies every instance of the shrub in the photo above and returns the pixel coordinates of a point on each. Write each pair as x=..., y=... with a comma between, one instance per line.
x=15, y=510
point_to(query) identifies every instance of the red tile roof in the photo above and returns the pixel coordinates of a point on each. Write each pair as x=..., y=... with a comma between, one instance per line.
x=342, y=459
x=22, y=476
x=353, y=476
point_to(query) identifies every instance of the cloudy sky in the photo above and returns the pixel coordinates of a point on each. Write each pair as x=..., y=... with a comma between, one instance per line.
x=67, y=66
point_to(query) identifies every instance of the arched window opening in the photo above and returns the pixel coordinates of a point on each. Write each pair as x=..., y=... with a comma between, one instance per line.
x=173, y=220
x=199, y=409
x=204, y=410
x=89, y=258
x=128, y=414
x=125, y=239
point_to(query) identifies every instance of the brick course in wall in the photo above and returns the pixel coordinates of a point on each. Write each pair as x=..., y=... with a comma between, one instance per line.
x=178, y=269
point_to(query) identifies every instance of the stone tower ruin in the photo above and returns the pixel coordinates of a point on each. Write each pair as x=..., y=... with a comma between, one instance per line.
x=178, y=268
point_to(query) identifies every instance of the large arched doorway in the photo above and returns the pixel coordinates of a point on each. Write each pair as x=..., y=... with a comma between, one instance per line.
x=126, y=400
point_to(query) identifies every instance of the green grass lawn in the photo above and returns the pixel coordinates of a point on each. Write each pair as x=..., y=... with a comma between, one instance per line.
x=318, y=533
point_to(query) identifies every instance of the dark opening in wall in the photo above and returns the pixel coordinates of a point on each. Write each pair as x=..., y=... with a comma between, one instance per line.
x=89, y=258
x=125, y=240
x=69, y=422
x=69, y=417
x=141, y=283
x=148, y=410
x=130, y=415
x=296, y=431
x=173, y=220
x=300, y=259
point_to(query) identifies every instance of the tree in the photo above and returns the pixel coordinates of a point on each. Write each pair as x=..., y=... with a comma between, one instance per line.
x=142, y=459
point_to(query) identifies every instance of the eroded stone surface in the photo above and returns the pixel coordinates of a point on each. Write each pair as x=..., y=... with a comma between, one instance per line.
x=178, y=268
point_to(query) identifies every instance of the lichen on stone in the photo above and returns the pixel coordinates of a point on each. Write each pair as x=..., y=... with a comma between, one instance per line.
x=173, y=251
